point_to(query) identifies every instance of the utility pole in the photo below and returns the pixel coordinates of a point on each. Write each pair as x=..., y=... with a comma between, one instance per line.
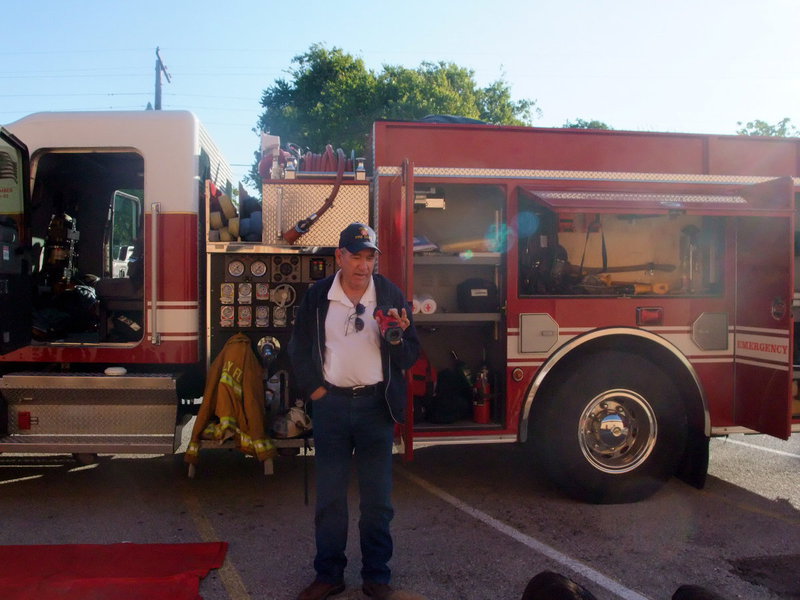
x=160, y=68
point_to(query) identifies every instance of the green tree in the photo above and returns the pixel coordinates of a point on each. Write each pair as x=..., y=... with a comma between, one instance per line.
x=446, y=88
x=497, y=106
x=584, y=124
x=783, y=128
x=332, y=98
x=329, y=95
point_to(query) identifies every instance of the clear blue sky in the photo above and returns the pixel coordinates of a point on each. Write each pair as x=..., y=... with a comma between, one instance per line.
x=663, y=65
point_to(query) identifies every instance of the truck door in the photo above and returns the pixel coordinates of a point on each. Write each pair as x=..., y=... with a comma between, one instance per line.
x=763, y=319
x=405, y=236
x=15, y=253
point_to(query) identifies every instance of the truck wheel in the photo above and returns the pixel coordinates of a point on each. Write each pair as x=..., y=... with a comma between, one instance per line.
x=612, y=430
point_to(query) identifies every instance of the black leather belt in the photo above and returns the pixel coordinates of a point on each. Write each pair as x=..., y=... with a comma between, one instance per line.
x=356, y=391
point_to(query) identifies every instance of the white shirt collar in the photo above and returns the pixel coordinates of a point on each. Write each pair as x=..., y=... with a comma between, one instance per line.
x=337, y=292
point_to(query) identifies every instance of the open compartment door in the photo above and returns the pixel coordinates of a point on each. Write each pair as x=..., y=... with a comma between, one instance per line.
x=763, y=321
x=15, y=251
x=407, y=228
x=393, y=205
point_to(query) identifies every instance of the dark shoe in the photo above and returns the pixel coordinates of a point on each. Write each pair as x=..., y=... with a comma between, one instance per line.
x=378, y=591
x=319, y=590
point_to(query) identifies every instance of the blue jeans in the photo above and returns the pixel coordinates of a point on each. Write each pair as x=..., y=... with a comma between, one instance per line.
x=345, y=429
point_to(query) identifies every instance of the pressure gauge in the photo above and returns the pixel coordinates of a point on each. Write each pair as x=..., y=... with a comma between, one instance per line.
x=226, y=315
x=236, y=268
x=245, y=316
x=258, y=268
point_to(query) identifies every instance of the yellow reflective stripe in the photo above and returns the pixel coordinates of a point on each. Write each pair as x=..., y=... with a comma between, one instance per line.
x=265, y=449
x=232, y=383
x=227, y=423
x=264, y=445
x=245, y=442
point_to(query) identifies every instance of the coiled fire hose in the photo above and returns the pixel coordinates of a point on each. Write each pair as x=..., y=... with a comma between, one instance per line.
x=322, y=162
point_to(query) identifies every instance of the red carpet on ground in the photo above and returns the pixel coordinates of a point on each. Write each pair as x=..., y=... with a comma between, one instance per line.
x=107, y=572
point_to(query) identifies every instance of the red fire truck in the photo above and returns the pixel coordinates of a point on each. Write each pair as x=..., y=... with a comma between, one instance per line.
x=611, y=299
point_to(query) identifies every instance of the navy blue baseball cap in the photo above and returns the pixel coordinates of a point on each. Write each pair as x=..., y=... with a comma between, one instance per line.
x=356, y=237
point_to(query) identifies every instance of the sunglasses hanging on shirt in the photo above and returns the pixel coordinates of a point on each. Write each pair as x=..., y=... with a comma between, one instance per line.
x=358, y=322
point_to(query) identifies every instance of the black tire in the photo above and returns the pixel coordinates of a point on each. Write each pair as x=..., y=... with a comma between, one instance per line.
x=611, y=430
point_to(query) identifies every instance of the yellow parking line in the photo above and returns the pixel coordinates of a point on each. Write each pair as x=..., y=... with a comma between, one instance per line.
x=228, y=574
x=18, y=479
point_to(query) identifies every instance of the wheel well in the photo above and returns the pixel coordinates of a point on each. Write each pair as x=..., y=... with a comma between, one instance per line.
x=695, y=461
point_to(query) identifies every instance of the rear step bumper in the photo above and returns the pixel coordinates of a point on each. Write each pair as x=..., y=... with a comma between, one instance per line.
x=87, y=413
x=88, y=444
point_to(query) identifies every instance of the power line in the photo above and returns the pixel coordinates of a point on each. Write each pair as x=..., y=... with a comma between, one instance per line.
x=220, y=108
x=27, y=111
x=67, y=70
x=75, y=95
x=63, y=76
x=170, y=106
x=146, y=94
x=61, y=52
x=208, y=96
x=91, y=72
x=200, y=49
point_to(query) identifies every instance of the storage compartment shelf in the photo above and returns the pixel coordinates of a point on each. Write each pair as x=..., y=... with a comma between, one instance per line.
x=490, y=259
x=454, y=336
x=461, y=425
x=465, y=318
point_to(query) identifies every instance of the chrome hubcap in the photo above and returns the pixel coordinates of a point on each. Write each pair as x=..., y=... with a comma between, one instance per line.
x=617, y=431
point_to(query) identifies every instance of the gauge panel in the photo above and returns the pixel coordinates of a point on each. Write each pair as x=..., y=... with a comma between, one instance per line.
x=235, y=268
x=258, y=293
x=258, y=268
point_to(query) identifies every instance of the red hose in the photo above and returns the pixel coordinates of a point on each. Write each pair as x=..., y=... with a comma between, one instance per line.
x=291, y=235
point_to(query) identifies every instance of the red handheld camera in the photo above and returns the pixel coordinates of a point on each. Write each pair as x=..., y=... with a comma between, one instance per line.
x=389, y=326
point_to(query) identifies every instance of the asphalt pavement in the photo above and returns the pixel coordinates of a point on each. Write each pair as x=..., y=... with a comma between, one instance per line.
x=472, y=522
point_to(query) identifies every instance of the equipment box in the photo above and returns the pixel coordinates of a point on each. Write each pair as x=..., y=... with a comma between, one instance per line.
x=89, y=413
x=287, y=202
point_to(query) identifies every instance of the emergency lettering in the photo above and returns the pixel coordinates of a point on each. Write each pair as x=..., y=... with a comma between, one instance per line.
x=762, y=347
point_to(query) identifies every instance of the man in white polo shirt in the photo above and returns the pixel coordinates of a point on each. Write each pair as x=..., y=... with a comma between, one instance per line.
x=353, y=376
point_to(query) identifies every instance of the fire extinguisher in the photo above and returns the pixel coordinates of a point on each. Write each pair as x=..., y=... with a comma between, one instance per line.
x=481, y=394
